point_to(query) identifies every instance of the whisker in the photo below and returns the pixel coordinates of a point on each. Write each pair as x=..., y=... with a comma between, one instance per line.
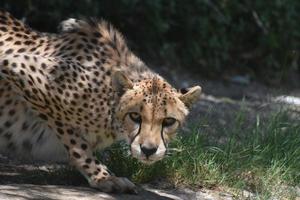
x=175, y=150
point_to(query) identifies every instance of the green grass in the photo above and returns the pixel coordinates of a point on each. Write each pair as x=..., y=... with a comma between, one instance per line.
x=263, y=158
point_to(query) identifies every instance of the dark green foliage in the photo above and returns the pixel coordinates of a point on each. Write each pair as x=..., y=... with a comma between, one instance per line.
x=212, y=37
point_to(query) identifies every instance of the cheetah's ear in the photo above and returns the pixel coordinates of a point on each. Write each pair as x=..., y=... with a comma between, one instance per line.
x=121, y=83
x=190, y=95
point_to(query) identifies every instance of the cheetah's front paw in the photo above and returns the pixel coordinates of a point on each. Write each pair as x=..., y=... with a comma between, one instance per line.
x=115, y=184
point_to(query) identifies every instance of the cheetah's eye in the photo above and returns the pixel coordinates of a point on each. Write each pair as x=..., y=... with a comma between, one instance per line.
x=169, y=121
x=136, y=117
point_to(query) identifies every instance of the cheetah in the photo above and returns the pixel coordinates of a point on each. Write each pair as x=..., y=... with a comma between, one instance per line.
x=85, y=88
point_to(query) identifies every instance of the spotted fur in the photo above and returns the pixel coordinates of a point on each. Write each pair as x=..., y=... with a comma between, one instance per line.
x=85, y=88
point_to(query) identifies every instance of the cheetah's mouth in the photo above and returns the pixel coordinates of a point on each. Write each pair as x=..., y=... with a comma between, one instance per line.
x=136, y=153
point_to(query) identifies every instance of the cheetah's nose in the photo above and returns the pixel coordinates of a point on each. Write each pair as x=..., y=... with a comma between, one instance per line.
x=148, y=151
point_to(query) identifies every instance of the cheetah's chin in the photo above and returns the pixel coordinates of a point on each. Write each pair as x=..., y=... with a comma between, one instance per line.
x=147, y=161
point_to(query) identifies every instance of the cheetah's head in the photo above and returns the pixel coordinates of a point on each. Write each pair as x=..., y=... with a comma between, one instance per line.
x=150, y=111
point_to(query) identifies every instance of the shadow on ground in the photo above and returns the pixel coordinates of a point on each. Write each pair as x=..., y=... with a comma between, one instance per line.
x=59, y=182
x=55, y=192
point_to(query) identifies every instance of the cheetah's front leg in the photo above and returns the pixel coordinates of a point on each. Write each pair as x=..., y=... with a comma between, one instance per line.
x=81, y=156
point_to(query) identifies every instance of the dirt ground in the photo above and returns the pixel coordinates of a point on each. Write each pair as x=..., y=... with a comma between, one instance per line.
x=222, y=99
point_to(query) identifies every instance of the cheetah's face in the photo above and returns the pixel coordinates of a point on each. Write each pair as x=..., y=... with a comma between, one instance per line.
x=150, y=112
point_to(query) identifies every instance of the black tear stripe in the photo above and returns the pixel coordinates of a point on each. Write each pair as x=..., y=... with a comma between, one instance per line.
x=162, y=137
x=140, y=127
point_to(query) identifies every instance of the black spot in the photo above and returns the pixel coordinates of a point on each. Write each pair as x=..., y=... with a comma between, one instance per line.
x=93, y=41
x=88, y=160
x=43, y=65
x=9, y=51
x=73, y=141
x=11, y=112
x=96, y=172
x=47, y=86
x=26, y=57
x=28, y=42
x=60, y=131
x=105, y=173
x=4, y=29
x=33, y=49
x=32, y=68
x=22, y=72
x=44, y=117
x=79, y=46
x=5, y=62
x=27, y=93
x=58, y=123
x=76, y=155
x=76, y=95
x=108, y=73
x=17, y=43
x=21, y=50
x=89, y=58
x=9, y=39
x=35, y=91
x=83, y=146
x=70, y=131
x=16, y=23
x=39, y=80
x=85, y=166
x=13, y=65
x=79, y=58
x=7, y=124
x=25, y=126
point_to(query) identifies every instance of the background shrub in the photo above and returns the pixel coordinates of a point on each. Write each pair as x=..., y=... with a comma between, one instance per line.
x=209, y=37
